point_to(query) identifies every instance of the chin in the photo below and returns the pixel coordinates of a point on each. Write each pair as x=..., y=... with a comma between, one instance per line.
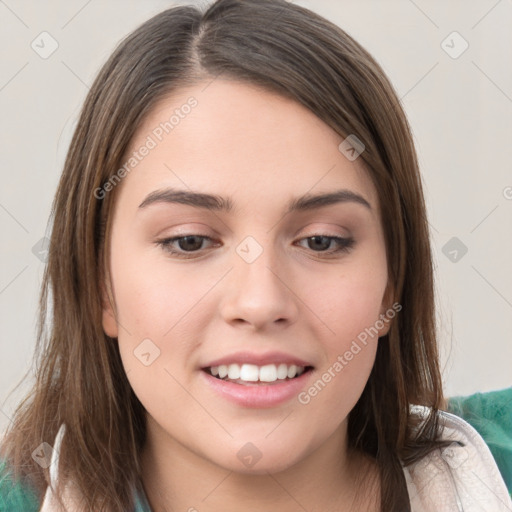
x=250, y=461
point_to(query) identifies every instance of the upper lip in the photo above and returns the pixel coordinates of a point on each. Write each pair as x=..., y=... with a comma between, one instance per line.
x=262, y=359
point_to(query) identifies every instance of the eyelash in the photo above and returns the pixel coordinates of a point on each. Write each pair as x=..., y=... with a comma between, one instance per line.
x=344, y=245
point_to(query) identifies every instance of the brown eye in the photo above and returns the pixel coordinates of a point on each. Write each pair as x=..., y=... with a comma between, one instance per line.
x=323, y=243
x=190, y=243
x=183, y=245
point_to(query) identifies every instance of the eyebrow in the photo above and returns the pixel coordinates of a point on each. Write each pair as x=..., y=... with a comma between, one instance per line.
x=226, y=204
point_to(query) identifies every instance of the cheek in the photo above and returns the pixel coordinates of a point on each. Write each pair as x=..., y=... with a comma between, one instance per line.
x=336, y=389
x=161, y=312
x=157, y=334
x=351, y=307
x=151, y=297
x=350, y=355
x=147, y=307
x=351, y=303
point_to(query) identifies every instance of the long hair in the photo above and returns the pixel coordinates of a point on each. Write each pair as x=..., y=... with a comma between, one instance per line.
x=80, y=380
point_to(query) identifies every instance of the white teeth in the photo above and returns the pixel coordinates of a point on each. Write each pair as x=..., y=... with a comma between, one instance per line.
x=233, y=371
x=249, y=372
x=282, y=371
x=292, y=371
x=254, y=373
x=268, y=373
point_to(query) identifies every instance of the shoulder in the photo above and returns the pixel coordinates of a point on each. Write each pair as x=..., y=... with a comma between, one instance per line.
x=14, y=496
x=461, y=476
x=490, y=413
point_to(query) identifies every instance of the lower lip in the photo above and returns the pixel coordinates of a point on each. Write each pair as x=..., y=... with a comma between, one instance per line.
x=258, y=395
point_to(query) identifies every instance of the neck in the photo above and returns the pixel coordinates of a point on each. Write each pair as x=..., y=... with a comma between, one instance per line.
x=176, y=478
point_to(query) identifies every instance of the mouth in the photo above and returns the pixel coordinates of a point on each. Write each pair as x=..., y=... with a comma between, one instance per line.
x=254, y=375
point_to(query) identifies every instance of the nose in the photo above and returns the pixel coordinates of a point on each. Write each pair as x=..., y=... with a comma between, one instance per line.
x=260, y=293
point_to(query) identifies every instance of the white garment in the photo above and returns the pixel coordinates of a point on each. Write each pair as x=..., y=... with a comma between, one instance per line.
x=50, y=503
x=457, y=478
x=460, y=478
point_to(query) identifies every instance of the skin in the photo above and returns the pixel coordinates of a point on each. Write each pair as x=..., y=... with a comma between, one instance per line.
x=261, y=150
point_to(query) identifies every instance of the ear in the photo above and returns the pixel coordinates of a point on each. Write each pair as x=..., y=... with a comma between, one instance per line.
x=387, y=311
x=109, y=320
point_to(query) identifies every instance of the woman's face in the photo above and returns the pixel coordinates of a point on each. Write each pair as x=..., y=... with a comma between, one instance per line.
x=254, y=285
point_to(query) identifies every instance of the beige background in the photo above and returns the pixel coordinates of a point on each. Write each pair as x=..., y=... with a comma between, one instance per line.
x=460, y=110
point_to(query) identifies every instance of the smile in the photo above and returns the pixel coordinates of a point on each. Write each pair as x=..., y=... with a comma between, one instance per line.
x=256, y=393
x=248, y=373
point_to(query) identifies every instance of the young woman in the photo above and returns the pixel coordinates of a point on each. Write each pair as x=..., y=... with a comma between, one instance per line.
x=240, y=287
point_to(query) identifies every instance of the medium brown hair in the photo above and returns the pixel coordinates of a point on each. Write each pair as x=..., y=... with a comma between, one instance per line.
x=80, y=380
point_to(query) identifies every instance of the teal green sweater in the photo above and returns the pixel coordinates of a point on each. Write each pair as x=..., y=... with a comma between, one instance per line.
x=489, y=413
x=16, y=497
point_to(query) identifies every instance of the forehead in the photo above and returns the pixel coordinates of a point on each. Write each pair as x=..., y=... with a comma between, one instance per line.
x=230, y=138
